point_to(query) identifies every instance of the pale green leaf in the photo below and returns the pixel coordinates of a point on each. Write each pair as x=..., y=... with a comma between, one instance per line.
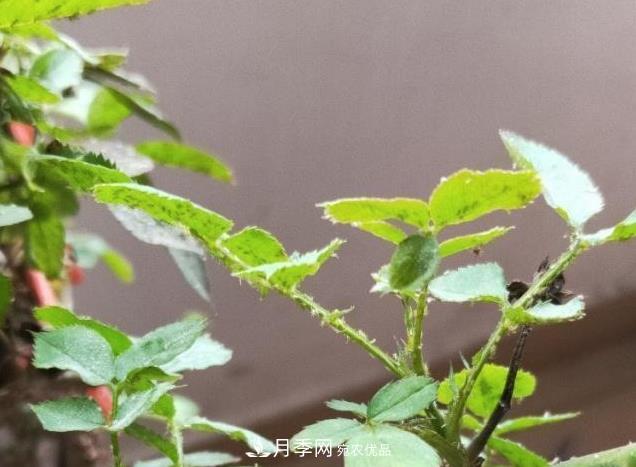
x=332, y=432
x=456, y=245
x=382, y=230
x=467, y=194
x=550, y=313
x=79, y=175
x=152, y=439
x=288, y=274
x=57, y=69
x=253, y=440
x=346, y=406
x=12, y=214
x=483, y=282
x=58, y=317
x=119, y=265
x=254, y=247
x=414, y=262
x=195, y=459
x=524, y=423
x=186, y=157
x=160, y=346
x=488, y=389
x=89, y=249
x=200, y=222
x=361, y=210
x=30, y=90
x=70, y=414
x=19, y=12
x=388, y=446
x=78, y=349
x=566, y=188
x=402, y=399
x=192, y=267
x=515, y=453
x=132, y=406
x=204, y=353
x=45, y=244
x=106, y=112
x=624, y=230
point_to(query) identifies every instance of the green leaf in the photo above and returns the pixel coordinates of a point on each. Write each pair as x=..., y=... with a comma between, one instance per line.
x=18, y=12
x=70, y=414
x=106, y=112
x=11, y=214
x=78, y=349
x=145, y=378
x=624, y=456
x=566, y=188
x=332, y=432
x=471, y=241
x=414, y=262
x=382, y=230
x=159, y=346
x=154, y=440
x=388, y=446
x=488, y=388
x=200, y=222
x=79, y=175
x=361, y=210
x=58, y=69
x=402, y=399
x=186, y=157
x=288, y=274
x=34, y=30
x=204, y=353
x=624, y=230
x=195, y=459
x=59, y=318
x=346, y=406
x=549, y=313
x=483, y=282
x=254, y=247
x=192, y=267
x=6, y=296
x=515, y=453
x=131, y=406
x=253, y=440
x=30, y=90
x=467, y=195
x=119, y=265
x=524, y=423
x=45, y=244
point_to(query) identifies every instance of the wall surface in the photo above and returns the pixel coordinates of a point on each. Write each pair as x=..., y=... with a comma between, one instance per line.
x=314, y=100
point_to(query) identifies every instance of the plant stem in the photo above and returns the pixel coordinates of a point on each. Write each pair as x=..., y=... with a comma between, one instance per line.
x=177, y=439
x=114, y=442
x=415, y=336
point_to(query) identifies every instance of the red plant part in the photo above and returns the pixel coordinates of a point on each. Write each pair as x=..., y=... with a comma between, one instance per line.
x=76, y=274
x=22, y=133
x=41, y=288
x=103, y=396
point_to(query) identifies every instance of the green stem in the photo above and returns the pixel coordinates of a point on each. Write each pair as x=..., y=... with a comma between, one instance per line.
x=177, y=439
x=114, y=442
x=415, y=336
x=535, y=290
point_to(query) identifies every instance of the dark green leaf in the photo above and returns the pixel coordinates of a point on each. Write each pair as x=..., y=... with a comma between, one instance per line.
x=45, y=244
x=515, y=453
x=153, y=440
x=132, y=406
x=71, y=414
x=402, y=399
x=524, y=423
x=414, y=262
x=6, y=296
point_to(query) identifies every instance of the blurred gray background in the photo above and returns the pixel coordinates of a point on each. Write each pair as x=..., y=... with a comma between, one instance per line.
x=314, y=100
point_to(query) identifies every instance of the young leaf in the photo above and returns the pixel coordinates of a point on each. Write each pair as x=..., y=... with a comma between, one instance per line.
x=58, y=69
x=515, y=453
x=254, y=247
x=468, y=194
x=70, y=414
x=192, y=267
x=382, y=230
x=21, y=12
x=45, y=244
x=11, y=214
x=186, y=157
x=195, y=459
x=30, y=90
x=78, y=349
x=159, y=346
x=490, y=384
x=132, y=406
x=253, y=440
x=333, y=432
x=58, y=317
x=6, y=295
x=106, y=113
x=204, y=353
x=624, y=230
x=524, y=423
x=153, y=440
x=119, y=266
x=404, y=449
x=566, y=188
x=288, y=274
x=200, y=222
x=476, y=283
x=79, y=175
x=414, y=262
x=402, y=399
x=471, y=241
x=549, y=313
x=361, y=210
x=89, y=249
x=122, y=155
x=346, y=406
